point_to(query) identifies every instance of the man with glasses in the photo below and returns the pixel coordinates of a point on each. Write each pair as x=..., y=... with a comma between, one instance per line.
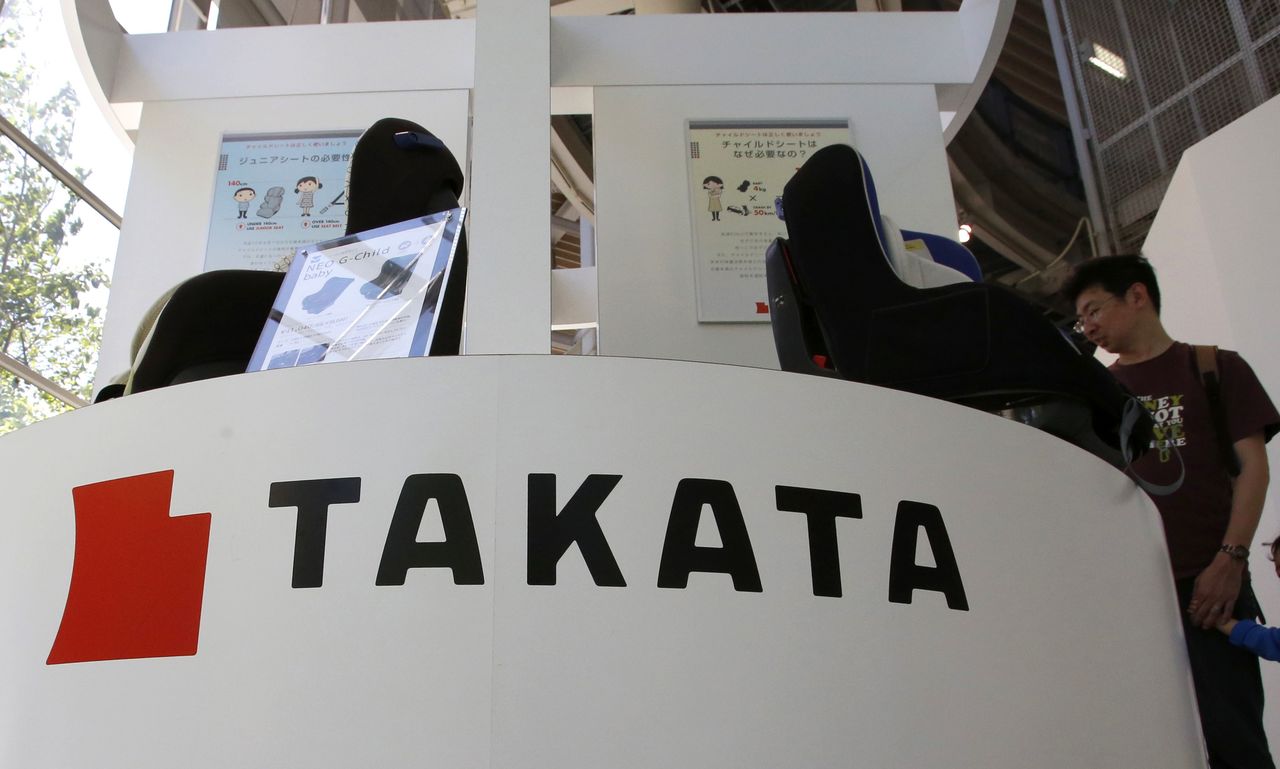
x=1211, y=518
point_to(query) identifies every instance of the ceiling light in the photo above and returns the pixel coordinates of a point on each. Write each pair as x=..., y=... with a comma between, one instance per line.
x=964, y=234
x=1109, y=62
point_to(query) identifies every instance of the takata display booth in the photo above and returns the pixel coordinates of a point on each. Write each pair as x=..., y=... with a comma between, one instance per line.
x=668, y=554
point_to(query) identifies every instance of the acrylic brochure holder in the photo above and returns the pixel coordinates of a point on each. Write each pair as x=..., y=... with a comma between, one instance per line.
x=374, y=294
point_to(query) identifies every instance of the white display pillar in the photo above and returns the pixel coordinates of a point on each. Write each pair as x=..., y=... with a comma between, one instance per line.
x=509, y=308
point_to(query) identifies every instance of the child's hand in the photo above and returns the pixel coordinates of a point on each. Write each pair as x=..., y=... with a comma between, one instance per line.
x=1227, y=627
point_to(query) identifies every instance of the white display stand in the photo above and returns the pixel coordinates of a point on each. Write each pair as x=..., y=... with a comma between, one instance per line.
x=904, y=81
x=1064, y=652
x=1053, y=642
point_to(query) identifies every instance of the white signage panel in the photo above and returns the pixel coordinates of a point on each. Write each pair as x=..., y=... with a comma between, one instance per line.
x=274, y=193
x=432, y=562
x=737, y=170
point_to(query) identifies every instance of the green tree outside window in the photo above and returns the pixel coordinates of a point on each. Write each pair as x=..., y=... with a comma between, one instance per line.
x=43, y=321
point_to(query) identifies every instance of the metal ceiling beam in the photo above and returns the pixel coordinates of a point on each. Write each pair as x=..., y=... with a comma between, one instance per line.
x=1046, y=98
x=571, y=166
x=270, y=12
x=996, y=231
x=40, y=382
x=70, y=180
x=460, y=9
x=865, y=6
x=590, y=7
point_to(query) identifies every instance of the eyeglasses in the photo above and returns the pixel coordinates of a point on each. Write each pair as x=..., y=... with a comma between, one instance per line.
x=1091, y=315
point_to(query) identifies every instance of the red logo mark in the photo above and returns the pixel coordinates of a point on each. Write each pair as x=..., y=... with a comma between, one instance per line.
x=137, y=584
x=762, y=308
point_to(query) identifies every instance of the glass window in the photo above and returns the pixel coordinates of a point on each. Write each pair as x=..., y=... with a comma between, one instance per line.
x=21, y=403
x=51, y=293
x=56, y=250
x=45, y=96
x=140, y=17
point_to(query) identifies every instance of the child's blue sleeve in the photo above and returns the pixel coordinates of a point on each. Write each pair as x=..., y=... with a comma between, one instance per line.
x=1262, y=641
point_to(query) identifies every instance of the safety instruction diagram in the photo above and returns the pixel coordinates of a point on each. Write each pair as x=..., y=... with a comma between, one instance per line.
x=737, y=170
x=274, y=193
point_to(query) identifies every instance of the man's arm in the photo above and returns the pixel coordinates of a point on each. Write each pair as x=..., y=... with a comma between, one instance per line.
x=1218, y=586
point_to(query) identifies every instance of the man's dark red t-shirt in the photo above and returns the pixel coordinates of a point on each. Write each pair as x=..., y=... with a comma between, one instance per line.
x=1169, y=385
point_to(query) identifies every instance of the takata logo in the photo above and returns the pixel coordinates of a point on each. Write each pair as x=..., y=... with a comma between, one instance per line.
x=137, y=585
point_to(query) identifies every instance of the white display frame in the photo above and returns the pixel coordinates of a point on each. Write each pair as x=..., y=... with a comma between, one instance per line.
x=368, y=295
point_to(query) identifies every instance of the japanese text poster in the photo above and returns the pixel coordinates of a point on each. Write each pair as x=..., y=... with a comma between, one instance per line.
x=274, y=193
x=736, y=174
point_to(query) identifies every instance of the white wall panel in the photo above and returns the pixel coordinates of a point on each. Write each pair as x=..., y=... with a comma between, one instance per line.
x=302, y=59
x=761, y=48
x=1213, y=246
x=509, y=280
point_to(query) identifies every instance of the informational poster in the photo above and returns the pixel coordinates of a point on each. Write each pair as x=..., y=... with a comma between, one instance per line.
x=369, y=295
x=736, y=174
x=275, y=193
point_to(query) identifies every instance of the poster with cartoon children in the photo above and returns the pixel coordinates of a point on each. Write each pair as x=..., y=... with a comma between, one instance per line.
x=274, y=193
x=737, y=170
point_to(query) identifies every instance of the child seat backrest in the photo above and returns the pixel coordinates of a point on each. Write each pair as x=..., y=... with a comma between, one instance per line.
x=207, y=327
x=915, y=266
x=401, y=171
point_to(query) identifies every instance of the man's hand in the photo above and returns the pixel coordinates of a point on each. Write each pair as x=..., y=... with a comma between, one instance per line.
x=1216, y=591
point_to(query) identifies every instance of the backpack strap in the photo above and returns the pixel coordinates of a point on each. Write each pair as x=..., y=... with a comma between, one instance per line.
x=1207, y=367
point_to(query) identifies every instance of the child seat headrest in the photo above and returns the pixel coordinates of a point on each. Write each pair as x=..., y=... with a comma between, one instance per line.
x=399, y=171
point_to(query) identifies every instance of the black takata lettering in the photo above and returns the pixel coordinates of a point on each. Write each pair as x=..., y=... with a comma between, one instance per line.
x=551, y=533
x=312, y=498
x=680, y=556
x=905, y=575
x=459, y=551
x=821, y=507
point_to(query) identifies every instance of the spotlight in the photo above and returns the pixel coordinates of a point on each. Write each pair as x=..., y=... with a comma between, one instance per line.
x=1107, y=60
x=964, y=234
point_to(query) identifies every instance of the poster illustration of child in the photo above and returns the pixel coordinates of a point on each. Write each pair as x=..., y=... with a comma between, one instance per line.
x=242, y=197
x=714, y=186
x=306, y=189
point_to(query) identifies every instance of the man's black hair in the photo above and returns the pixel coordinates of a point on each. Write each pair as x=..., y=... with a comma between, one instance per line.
x=1114, y=274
